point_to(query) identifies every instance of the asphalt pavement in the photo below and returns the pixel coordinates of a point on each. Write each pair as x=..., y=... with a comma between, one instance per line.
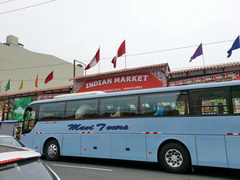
x=74, y=168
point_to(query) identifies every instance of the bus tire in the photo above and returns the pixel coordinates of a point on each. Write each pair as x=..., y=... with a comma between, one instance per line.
x=52, y=150
x=174, y=158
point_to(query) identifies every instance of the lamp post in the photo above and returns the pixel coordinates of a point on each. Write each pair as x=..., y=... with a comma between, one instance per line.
x=79, y=64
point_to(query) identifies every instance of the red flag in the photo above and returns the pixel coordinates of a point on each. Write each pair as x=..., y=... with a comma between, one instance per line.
x=120, y=52
x=49, y=77
x=36, y=81
x=114, y=61
x=94, y=60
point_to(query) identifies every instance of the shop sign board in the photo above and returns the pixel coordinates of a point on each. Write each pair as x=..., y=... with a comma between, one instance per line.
x=227, y=76
x=122, y=83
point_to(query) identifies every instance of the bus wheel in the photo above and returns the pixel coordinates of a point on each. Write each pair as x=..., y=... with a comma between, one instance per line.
x=52, y=150
x=174, y=158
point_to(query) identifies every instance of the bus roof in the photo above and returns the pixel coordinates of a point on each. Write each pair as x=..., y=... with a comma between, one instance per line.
x=79, y=94
x=143, y=91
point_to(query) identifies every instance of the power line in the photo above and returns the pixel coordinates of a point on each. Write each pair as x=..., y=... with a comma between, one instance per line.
x=170, y=49
x=6, y=1
x=177, y=48
x=26, y=7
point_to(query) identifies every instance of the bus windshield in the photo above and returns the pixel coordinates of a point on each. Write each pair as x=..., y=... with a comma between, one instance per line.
x=29, y=119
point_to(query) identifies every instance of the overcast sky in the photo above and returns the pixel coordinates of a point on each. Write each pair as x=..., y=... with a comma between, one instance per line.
x=74, y=29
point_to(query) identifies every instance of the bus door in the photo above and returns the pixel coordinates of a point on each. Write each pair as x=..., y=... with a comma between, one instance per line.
x=211, y=105
x=233, y=135
x=29, y=121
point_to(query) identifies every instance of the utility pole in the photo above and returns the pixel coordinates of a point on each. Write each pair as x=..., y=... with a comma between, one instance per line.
x=79, y=64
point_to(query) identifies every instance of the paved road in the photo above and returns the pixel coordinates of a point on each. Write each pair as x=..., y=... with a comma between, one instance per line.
x=101, y=169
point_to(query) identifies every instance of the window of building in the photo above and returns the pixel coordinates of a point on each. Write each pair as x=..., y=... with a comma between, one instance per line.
x=82, y=109
x=164, y=104
x=210, y=101
x=125, y=106
x=51, y=111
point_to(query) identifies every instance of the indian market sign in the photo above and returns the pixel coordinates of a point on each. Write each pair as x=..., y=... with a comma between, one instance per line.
x=122, y=83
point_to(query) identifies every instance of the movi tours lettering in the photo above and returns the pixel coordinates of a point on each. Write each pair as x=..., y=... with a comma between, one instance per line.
x=100, y=127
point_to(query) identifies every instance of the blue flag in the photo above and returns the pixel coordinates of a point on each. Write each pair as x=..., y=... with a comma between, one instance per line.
x=197, y=53
x=236, y=45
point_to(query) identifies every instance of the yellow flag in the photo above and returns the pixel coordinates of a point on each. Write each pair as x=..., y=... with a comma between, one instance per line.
x=21, y=85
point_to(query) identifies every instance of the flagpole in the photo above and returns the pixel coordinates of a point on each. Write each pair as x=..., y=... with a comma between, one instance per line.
x=203, y=57
x=99, y=61
x=125, y=61
x=203, y=61
x=99, y=67
x=125, y=56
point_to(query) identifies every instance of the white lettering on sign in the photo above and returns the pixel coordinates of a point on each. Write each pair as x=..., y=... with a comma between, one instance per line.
x=116, y=79
x=122, y=79
x=134, y=78
x=98, y=83
x=145, y=77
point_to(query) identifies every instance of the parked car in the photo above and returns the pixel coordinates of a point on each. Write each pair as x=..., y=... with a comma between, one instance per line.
x=10, y=140
x=18, y=163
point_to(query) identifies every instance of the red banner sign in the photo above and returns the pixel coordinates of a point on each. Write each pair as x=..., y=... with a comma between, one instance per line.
x=122, y=83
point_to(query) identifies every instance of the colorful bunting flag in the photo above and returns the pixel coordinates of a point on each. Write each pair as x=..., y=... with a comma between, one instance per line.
x=94, y=60
x=235, y=45
x=49, y=78
x=21, y=85
x=36, y=81
x=7, y=86
x=197, y=53
x=120, y=52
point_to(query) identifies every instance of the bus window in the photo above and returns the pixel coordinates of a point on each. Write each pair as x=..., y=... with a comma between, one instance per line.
x=119, y=107
x=29, y=118
x=236, y=99
x=164, y=104
x=51, y=111
x=210, y=101
x=82, y=109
